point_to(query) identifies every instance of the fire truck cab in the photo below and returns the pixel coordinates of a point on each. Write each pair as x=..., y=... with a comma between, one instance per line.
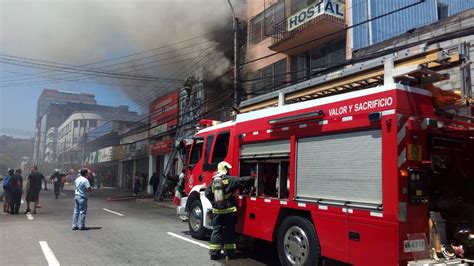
x=369, y=177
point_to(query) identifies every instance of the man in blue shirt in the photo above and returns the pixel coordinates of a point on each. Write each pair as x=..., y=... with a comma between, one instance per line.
x=80, y=198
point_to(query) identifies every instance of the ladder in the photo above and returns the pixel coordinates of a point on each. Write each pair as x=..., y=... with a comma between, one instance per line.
x=162, y=189
x=416, y=65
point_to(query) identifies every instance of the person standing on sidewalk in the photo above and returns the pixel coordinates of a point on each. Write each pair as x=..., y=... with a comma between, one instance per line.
x=6, y=188
x=154, y=181
x=80, y=200
x=33, y=188
x=137, y=183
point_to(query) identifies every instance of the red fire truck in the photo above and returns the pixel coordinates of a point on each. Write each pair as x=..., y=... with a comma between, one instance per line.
x=373, y=176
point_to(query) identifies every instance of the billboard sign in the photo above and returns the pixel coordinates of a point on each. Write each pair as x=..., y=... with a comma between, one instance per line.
x=163, y=113
x=105, y=155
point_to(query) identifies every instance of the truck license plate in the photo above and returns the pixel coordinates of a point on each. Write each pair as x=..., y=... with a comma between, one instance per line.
x=413, y=245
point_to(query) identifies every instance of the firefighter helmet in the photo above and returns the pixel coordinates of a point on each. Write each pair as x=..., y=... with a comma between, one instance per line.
x=223, y=167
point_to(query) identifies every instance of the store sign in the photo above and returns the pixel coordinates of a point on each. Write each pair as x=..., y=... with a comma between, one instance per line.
x=92, y=158
x=161, y=147
x=331, y=7
x=105, y=155
x=138, y=149
x=120, y=152
x=163, y=113
x=158, y=130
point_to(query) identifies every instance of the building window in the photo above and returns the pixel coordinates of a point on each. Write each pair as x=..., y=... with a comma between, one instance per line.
x=443, y=10
x=273, y=15
x=92, y=123
x=263, y=24
x=76, y=123
x=297, y=5
x=270, y=78
x=256, y=29
x=318, y=59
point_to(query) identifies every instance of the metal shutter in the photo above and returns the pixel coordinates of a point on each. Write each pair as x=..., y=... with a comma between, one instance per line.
x=270, y=149
x=345, y=167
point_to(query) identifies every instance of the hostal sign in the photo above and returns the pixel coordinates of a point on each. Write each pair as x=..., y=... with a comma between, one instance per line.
x=330, y=7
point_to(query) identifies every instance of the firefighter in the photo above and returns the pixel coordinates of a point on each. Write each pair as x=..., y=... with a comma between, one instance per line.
x=221, y=193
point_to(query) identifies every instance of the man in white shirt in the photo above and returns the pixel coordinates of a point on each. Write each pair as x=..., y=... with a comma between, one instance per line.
x=80, y=198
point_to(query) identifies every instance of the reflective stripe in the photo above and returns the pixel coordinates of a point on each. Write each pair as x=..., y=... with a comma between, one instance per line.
x=230, y=246
x=224, y=211
x=214, y=246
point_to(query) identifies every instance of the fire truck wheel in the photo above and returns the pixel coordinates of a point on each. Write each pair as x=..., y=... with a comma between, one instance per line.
x=298, y=243
x=195, y=221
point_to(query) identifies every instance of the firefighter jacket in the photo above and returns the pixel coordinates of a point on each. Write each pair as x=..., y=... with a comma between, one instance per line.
x=230, y=185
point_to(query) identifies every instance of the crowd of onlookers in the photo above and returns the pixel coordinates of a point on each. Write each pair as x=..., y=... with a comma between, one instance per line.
x=13, y=189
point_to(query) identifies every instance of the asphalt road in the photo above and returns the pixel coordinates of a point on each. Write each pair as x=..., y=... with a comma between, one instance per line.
x=121, y=233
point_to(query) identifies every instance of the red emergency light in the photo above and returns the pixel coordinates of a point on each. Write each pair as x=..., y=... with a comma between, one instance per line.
x=208, y=122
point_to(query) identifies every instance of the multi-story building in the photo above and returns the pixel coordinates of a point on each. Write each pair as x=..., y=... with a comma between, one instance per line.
x=292, y=40
x=72, y=133
x=46, y=119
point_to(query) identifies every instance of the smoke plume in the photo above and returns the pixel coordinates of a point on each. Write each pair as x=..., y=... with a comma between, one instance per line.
x=80, y=32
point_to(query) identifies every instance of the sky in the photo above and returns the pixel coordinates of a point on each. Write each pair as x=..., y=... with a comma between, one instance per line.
x=153, y=39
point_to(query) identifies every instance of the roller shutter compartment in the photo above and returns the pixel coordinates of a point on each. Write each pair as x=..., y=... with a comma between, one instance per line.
x=343, y=167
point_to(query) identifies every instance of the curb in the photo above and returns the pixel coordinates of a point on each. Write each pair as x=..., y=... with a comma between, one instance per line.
x=158, y=204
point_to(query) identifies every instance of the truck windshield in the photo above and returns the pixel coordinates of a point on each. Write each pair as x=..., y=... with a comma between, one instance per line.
x=196, y=151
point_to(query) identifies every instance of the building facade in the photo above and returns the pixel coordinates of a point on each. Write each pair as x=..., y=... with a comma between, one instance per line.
x=289, y=41
x=45, y=118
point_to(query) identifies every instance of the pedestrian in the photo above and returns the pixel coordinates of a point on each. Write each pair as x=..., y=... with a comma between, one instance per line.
x=56, y=180
x=63, y=180
x=83, y=187
x=137, y=183
x=91, y=178
x=16, y=189
x=6, y=189
x=221, y=193
x=33, y=188
x=154, y=181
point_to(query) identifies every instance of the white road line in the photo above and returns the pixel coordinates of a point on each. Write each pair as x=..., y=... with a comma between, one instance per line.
x=188, y=240
x=29, y=216
x=107, y=210
x=48, y=254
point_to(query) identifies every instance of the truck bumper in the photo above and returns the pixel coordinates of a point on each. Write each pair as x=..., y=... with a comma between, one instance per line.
x=443, y=262
x=181, y=209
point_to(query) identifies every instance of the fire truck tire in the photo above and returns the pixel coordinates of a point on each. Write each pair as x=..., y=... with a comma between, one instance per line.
x=195, y=220
x=297, y=242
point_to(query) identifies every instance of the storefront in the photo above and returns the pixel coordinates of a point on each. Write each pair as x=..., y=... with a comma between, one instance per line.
x=133, y=160
x=163, y=113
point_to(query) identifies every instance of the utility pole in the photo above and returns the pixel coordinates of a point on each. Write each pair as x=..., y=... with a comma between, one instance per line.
x=235, y=25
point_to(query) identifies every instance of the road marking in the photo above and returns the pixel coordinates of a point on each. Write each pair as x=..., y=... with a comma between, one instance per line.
x=189, y=240
x=22, y=201
x=29, y=216
x=48, y=254
x=107, y=210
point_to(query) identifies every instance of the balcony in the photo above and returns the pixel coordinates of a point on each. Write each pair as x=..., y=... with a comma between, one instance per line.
x=320, y=22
